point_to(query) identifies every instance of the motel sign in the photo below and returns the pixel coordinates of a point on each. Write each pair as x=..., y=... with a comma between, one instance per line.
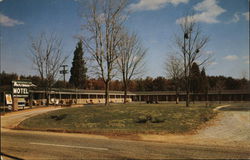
x=21, y=88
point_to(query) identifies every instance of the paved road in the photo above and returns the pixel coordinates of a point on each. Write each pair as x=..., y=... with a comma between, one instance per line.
x=38, y=145
x=45, y=145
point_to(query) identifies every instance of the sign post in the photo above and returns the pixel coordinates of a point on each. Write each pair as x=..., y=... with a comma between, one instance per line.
x=20, y=89
x=8, y=101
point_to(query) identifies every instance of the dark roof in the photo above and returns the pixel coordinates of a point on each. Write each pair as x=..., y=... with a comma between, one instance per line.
x=102, y=92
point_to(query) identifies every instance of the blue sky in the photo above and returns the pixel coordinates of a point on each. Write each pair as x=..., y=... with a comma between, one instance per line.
x=226, y=22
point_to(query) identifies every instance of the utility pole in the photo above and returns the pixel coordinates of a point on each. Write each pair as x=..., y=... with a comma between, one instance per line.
x=0, y=49
x=64, y=71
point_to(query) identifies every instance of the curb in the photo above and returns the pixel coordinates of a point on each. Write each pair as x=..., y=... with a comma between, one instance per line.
x=219, y=107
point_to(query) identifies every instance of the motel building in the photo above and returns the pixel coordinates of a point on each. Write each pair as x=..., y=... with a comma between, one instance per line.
x=23, y=94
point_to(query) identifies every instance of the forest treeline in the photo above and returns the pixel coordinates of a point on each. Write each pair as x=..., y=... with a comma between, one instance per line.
x=141, y=84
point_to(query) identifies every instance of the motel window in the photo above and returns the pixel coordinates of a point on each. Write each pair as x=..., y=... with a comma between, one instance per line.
x=84, y=96
x=65, y=96
x=100, y=96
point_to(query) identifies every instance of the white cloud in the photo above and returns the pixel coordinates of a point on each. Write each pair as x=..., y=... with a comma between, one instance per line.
x=209, y=52
x=235, y=19
x=8, y=22
x=144, y=5
x=208, y=10
x=238, y=16
x=1, y=0
x=212, y=63
x=246, y=15
x=231, y=57
x=246, y=59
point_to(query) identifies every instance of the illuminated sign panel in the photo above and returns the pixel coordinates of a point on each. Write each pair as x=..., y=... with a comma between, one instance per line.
x=21, y=88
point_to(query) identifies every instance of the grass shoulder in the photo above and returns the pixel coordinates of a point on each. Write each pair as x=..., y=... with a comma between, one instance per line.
x=123, y=119
x=242, y=106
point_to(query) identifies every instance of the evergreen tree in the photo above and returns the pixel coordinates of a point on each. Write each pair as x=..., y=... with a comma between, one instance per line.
x=78, y=70
x=204, y=81
x=195, y=78
x=204, y=84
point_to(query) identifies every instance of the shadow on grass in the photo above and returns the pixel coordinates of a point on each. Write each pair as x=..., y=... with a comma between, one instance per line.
x=235, y=109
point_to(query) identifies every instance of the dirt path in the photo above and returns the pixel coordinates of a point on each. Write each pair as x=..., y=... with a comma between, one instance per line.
x=12, y=119
x=230, y=128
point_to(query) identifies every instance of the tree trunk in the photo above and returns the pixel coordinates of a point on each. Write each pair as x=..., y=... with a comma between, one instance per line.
x=219, y=97
x=125, y=96
x=46, y=96
x=177, y=96
x=206, y=94
x=106, y=93
x=193, y=97
x=187, y=93
x=48, y=91
x=125, y=93
x=176, y=92
x=187, y=99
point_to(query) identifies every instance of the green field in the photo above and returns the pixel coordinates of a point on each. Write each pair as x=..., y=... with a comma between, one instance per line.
x=123, y=119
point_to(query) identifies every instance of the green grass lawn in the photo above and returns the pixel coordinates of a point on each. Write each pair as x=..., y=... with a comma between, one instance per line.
x=123, y=119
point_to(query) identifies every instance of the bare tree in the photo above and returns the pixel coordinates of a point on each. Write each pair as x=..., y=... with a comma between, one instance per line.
x=220, y=85
x=174, y=70
x=130, y=62
x=46, y=54
x=190, y=43
x=104, y=23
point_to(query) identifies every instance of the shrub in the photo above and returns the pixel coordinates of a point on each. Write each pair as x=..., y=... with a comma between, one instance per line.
x=58, y=118
x=141, y=119
x=149, y=118
x=157, y=120
x=204, y=117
